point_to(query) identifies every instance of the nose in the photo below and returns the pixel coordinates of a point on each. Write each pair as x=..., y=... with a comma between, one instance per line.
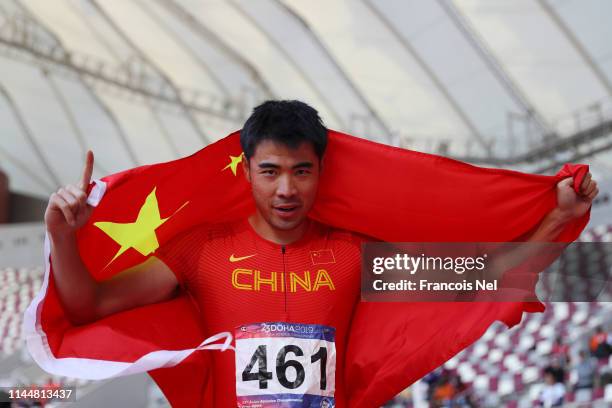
x=286, y=186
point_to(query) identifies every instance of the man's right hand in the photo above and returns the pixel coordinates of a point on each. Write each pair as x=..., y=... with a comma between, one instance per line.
x=68, y=210
x=85, y=299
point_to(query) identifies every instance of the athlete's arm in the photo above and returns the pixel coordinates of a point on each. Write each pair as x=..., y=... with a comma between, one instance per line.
x=570, y=205
x=84, y=299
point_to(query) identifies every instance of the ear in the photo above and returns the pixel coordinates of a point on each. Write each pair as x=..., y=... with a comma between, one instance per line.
x=246, y=168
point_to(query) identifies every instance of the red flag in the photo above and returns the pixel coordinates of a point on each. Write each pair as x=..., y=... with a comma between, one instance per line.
x=381, y=191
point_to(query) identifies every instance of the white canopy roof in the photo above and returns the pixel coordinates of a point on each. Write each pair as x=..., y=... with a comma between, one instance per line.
x=146, y=81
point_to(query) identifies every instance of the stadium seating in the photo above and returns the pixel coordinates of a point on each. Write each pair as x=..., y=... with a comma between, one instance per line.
x=505, y=366
x=18, y=286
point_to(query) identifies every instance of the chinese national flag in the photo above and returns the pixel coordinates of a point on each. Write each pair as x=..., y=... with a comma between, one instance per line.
x=385, y=192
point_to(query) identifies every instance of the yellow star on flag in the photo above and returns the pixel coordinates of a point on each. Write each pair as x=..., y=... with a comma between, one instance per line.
x=139, y=234
x=233, y=164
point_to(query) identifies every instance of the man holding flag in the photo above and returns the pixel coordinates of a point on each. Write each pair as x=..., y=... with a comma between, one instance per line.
x=281, y=273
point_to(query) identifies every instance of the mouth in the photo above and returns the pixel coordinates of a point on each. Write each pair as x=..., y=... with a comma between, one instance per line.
x=286, y=210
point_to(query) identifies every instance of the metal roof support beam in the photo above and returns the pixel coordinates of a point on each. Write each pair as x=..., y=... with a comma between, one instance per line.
x=576, y=157
x=19, y=35
x=372, y=112
x=166, y=80
x=30, y=139
x=164, y=131
x=58, y=48
x=494, y=66
x=26, y=170
x=571, y=37
x=148, y=102
x=432, y=76
x=291, y=61
x=153, y=16
x=209, y=36
x=584, y=139
x=71, y=119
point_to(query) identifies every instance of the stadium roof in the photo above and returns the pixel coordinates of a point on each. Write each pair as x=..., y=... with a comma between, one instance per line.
x=522, y=83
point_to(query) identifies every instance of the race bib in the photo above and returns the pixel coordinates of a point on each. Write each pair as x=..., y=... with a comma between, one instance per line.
x=285, y=365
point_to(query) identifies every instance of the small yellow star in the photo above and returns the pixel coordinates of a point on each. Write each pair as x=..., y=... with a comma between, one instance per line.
x=234, y=161
x=139, y=234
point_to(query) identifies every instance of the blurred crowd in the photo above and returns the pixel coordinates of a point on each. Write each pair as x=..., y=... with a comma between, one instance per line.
x=441, y=388
x=577, y=381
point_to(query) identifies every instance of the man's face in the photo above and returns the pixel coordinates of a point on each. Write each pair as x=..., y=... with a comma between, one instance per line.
x=549, y=379
x=284, y=182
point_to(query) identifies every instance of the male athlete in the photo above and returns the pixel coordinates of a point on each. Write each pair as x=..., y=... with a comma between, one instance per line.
x=285, y=285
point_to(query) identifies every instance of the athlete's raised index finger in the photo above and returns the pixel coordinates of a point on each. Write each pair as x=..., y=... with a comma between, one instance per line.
x=87, y=171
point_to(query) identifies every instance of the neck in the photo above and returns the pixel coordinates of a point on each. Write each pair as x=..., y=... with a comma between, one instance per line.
x=281, y=237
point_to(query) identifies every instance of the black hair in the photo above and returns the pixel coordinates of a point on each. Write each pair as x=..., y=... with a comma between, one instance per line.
x=289, y=122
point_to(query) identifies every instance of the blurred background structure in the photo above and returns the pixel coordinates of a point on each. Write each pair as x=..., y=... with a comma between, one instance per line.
x=520, y=84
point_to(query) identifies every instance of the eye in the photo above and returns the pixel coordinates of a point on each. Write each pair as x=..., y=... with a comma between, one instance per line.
x=268, y=172
x=301, y=172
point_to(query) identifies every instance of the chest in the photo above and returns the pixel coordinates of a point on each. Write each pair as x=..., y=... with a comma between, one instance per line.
x=250, y=283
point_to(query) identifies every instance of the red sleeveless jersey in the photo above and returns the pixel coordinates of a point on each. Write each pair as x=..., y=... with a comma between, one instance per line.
x=237, y=277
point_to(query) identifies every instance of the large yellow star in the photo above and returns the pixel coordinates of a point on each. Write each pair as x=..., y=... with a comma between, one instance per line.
x=139, y=234
x=233, y=164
